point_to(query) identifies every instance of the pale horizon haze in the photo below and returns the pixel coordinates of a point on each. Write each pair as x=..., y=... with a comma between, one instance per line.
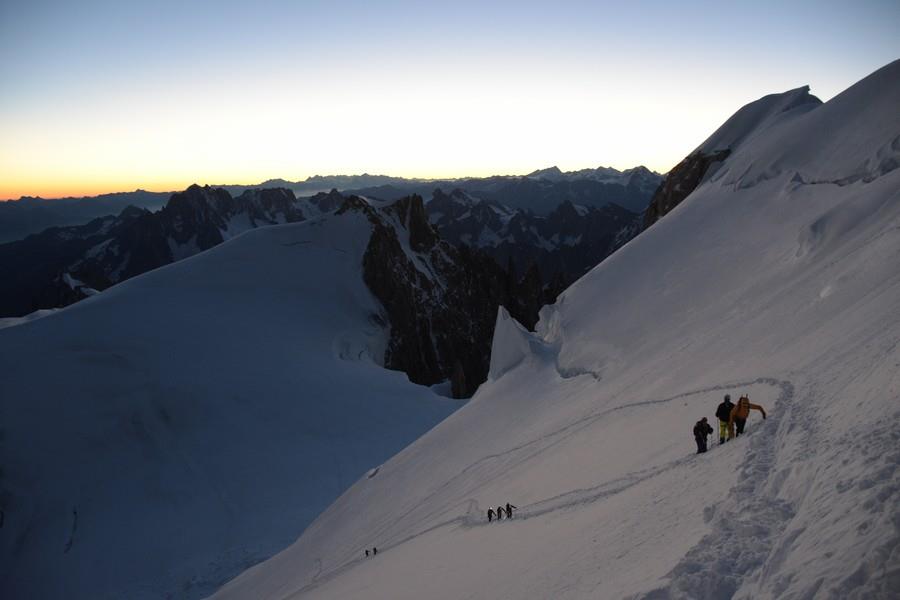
x=103, y=96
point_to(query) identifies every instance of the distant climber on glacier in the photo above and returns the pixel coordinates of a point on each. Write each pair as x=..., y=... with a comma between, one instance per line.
x=490, y=515
x=740, y=413
x=509, y=509
x=723, y=414
x=499, y=512
x=701, y=431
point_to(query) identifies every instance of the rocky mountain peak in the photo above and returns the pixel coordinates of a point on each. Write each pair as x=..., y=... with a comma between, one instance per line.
x=411, y=213
x=199, y=200
x=353, y=204
x=566, y=210
x=551, y=173
x=328, y=202
x=440, y=300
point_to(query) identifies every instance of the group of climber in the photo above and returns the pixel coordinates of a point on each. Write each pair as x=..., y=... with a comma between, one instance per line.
x=500, y=510
x=732, y=419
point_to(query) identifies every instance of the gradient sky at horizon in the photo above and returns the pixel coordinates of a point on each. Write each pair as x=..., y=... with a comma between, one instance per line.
x=103, y=95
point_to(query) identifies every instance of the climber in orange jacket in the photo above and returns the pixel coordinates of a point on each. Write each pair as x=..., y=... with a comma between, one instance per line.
x=739, y=414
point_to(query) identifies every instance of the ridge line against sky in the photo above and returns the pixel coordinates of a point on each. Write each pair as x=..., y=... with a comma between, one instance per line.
x=276, y=181
x=103, y=96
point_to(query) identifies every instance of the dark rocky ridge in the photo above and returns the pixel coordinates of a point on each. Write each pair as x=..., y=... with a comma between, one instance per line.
x=441, y=301
x=679, y=183
x=327, y=202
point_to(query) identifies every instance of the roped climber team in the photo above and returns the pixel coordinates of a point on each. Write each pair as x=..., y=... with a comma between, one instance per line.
x=732, y=419
x=499, y=512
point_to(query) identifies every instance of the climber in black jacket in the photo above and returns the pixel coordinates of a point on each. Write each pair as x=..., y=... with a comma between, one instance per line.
x=701, y=431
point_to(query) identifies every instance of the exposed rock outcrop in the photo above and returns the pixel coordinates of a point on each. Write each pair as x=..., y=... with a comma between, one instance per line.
x=679, y=183
x=441, y=301
x=327, y=202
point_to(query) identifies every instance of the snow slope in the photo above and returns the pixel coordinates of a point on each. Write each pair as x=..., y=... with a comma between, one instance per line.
x=763, y=282
x=38, y=314
x=164, y=435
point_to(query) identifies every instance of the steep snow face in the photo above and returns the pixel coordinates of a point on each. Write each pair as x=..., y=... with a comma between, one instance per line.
x=853, y=137
x=784, y=290
x=757, y=117
x=173, y=430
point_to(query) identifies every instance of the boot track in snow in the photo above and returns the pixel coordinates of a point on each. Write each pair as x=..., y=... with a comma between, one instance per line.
x=698, y=574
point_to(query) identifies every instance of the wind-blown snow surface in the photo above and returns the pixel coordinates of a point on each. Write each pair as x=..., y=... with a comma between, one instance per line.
x=159, y=438
x=767, y=285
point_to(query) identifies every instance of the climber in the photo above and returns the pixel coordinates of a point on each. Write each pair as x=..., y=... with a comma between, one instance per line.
x=509, y=509
x=723, y=413
x=740, y=413
x=701, y=430
x=490, y=514
x=499, y=512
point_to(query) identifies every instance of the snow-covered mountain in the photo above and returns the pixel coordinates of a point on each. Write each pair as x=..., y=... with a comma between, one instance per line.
x=62, y=265
x=168, y=390
x=165, y=434
x=776, y=277
x=742, y=126
x=563, y=244
x=440, y=311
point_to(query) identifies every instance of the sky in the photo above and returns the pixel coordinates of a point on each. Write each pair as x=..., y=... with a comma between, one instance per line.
x=99, y=95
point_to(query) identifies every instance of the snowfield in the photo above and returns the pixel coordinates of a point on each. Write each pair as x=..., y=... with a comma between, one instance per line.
x=162, y=436
x=779, y=277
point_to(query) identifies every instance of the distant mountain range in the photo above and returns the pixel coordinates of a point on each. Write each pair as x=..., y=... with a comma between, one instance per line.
x=479, y=254
x=62, y=265
x=28, y=215
x=540, y=192
x=562, y=245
